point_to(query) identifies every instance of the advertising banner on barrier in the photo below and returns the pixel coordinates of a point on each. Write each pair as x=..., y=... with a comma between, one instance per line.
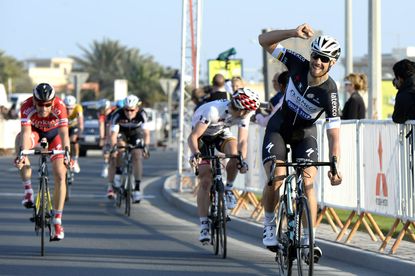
x=345, y=195
x=380, y=170
x=255, y=177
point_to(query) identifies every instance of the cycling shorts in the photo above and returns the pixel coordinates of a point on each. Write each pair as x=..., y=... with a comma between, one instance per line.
x=303, y=146
x=52, y=137
x=73, y=131
x=219, y=141
x=136, y=139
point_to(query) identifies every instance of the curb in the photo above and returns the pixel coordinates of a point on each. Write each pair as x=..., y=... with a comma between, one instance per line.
x=355, y=256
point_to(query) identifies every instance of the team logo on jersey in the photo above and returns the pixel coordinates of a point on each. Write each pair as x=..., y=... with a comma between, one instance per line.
x=310, y=96
x=269, y=147
x=309, y=152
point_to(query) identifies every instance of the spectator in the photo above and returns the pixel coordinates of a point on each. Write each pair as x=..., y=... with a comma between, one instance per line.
x=3, y=112
x=218, y=89
x=404, y=81
x=355, y=108
x=280, y=84
x=237, y=83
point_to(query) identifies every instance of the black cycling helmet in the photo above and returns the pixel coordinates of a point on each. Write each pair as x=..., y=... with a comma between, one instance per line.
x=44, y=92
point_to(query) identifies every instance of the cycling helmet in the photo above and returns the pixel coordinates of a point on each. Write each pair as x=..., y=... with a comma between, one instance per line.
x=69, y=101
x=44, y=92
x=326, y=46
x=120, y=103
x=132, y=101
x=245, y=99
x=104, y=104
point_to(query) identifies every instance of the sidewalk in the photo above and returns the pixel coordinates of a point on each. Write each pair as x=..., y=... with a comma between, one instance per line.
x=360, y=251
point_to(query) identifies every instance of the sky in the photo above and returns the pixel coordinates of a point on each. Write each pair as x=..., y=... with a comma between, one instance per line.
x=57, y=28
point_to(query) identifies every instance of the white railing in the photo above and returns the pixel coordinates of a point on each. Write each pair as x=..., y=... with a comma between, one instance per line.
x=376, y=164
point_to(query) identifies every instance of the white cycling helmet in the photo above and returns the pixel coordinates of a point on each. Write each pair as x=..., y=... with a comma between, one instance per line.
x=246, y=99
x=70, y=101
x=327, y=46
x=132, y=101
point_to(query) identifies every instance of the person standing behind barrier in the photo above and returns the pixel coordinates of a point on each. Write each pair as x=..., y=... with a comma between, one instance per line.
x=355, y=108
x=218, y=90
x=404, y=81
x=279, y=82
x=310, y=93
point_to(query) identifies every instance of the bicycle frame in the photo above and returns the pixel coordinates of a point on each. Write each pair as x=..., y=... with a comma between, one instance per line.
x=294, y=210
x=218, y=212
x=42, y=213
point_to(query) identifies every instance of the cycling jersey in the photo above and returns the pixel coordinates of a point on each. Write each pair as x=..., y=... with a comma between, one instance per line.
x=129, y=127
x=45, y=127
x=217, y=116
x=56, y=119
x=303, y=104
x=76, y=113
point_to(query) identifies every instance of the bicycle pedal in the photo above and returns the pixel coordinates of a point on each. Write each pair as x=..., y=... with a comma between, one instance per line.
x=32, y=219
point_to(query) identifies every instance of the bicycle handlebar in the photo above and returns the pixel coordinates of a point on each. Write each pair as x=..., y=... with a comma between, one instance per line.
x=219, y=157
x=37, y=152
x=332, y=164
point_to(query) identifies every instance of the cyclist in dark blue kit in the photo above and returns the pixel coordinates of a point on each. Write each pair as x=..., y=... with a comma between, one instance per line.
x=310, y=92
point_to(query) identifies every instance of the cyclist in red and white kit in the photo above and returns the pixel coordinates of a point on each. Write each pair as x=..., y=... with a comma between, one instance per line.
x=44, y=116
x=310, y=92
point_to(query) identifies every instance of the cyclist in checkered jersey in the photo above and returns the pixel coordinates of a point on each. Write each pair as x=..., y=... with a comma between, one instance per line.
x=310, y=92
x=211, y=124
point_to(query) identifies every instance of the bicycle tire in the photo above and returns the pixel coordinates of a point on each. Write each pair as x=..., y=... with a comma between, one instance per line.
x=222, y=224
x=42, y=209
x=215, y=223
x=284, y=256
x=305, y=252
x=128, y=194
x=68, y=183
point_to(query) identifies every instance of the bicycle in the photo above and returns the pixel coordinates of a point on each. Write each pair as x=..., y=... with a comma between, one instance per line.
x=294, y=220
x=218, y=216
x=127, y=178
x=70, y=179
x=42, y=212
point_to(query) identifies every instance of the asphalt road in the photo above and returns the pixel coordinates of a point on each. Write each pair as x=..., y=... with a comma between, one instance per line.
x=100, y=240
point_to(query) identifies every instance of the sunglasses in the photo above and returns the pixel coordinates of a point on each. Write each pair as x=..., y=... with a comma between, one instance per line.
x=45, y=104
x=316, y=56
x=129, y=110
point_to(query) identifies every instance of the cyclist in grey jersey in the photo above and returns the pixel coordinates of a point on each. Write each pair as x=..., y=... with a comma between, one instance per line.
x=210, y=126
x=310, y=93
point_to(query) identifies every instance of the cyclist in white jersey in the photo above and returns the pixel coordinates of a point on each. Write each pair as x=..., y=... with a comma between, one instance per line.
x=310, y=93
x=210, y=126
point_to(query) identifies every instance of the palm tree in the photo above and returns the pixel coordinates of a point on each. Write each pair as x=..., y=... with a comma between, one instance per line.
x=108, y=60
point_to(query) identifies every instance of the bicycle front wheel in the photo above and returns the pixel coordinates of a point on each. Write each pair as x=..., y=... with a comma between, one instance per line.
x=128, y=194
x=214, y=225
x=284, y=254
x=304, y=238
x=222, y=217
x=43, y=205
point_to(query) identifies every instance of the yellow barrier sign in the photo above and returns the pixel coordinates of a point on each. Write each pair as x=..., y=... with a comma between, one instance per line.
x=230, y=68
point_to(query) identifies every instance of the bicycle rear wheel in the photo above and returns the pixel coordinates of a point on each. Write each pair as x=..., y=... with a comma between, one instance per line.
x=214, y=226
x=284, y=256
x=42, y=214
x=128, y=194
x=305, y=247
x=222, y=224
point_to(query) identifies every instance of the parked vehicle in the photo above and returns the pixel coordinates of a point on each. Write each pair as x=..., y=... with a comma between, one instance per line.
x=90, y=137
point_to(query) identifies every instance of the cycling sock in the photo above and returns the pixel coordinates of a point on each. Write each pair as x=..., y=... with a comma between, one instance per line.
x=27, y=184
x=269, y=219
x=229, y=185
x=57, y=216
x=118, y=170
x=204, y=223
x=137, y=185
